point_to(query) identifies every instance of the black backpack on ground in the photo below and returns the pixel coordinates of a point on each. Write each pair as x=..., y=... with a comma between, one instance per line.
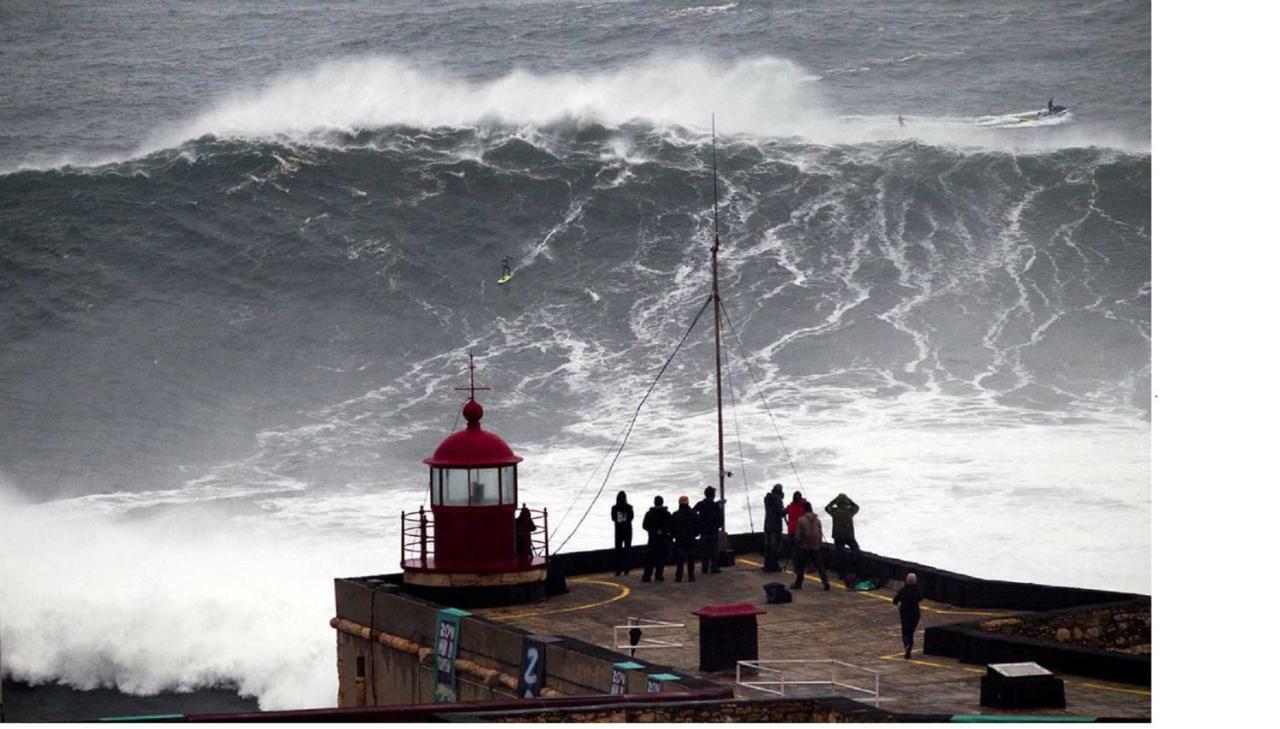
x=776, y=592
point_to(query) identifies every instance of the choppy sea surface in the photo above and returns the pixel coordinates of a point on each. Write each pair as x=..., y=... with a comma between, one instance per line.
x=245, y=250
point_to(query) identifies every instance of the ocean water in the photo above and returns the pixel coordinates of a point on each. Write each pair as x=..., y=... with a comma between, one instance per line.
x=245, y=250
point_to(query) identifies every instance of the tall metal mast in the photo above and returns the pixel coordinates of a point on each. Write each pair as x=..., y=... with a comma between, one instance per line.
x=715, y=295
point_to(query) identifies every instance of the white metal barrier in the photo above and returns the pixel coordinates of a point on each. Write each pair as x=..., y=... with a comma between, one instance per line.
x=775, y=676
x=664, y=639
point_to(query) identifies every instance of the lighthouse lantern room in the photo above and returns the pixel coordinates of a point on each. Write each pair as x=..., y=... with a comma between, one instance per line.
x=477, y=534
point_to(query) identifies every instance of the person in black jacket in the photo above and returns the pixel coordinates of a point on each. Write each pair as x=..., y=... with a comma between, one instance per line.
x=622, y=516
x=774, y=512
x=684, y=530
x=710, y=520
x=908, y=602
x=657, y=521
x=525, y=528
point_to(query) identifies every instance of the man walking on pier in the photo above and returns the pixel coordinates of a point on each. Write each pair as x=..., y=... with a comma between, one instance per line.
x=809, y=547
x=908, y=602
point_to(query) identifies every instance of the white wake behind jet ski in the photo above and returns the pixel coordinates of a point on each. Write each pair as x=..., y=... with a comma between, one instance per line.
x=1039, y=117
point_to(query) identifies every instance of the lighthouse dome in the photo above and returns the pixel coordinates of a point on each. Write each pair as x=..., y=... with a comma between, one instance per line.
x=473, y=445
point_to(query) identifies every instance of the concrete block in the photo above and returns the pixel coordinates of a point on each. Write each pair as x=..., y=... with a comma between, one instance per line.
x=351, y=600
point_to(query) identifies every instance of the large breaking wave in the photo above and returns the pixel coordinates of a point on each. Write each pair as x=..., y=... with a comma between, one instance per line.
x=257, y=321
x=761, y=96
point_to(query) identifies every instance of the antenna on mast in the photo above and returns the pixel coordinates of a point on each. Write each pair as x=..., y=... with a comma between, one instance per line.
x=715, y=185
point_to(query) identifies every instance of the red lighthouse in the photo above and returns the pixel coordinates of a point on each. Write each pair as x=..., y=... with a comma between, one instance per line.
x=477, y=541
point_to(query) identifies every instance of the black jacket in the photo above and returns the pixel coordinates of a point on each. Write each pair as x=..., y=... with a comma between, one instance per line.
x=709, y=519
x=774, y=512
x=908, y=602
x=628, y=515
x=684, y=526
x=657, y=521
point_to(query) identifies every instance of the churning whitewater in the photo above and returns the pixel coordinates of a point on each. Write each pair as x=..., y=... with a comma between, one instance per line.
x=231, y=335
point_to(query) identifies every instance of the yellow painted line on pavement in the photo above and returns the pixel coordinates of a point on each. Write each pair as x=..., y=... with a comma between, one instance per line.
x=914, y=661
x=1104, y=687
x=624, y=591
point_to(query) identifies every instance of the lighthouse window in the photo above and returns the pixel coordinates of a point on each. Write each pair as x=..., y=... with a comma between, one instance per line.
x=508, y=474
x=454, y=486
x=435, y=486
x=484, y=486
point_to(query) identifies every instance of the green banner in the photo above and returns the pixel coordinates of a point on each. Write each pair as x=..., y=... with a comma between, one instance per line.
x=618, y=681
x=448, y=632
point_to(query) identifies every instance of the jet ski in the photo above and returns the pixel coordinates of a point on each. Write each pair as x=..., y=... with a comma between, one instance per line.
x=1025, y=118
x=1041, y=113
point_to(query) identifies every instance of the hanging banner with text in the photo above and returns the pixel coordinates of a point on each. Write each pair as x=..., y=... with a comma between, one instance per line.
x=448, y=630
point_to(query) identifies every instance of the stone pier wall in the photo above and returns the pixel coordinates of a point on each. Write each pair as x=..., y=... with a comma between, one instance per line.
x=774, y=711
x=385, y=646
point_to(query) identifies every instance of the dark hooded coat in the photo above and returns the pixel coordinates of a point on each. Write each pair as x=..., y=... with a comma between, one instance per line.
x=774, y=512
x=657, y=521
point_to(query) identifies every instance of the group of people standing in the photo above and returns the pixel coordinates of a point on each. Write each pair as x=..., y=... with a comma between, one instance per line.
x=689, y=535
x=693, y=533
x=804, y=536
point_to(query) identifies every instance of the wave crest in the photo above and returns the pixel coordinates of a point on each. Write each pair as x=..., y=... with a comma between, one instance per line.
x=763, y=96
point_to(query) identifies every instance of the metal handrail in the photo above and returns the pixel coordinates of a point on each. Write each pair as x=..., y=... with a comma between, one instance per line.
x=647, y=642
x=782, y=682
x=417, y=536
x=539, y=549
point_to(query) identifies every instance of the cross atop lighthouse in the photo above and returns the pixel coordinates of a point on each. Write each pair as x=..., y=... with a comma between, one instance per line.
x=471, y=365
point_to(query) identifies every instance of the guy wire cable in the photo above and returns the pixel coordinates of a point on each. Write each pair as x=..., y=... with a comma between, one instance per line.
x=565, y=515
x=737, y=433
x=632, y=424
x=760, y=392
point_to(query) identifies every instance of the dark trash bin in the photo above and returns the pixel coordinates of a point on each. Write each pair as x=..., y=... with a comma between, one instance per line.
x=726, y=635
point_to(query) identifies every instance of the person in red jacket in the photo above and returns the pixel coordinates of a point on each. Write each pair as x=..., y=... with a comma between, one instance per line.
x=795, y=510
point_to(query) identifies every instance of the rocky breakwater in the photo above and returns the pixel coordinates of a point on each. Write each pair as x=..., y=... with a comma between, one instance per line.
x=1120, y=628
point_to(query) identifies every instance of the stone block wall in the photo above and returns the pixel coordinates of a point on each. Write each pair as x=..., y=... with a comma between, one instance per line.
x=774, y=711
x=1035, y=637
x=1123, y=628
x=385, y=646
